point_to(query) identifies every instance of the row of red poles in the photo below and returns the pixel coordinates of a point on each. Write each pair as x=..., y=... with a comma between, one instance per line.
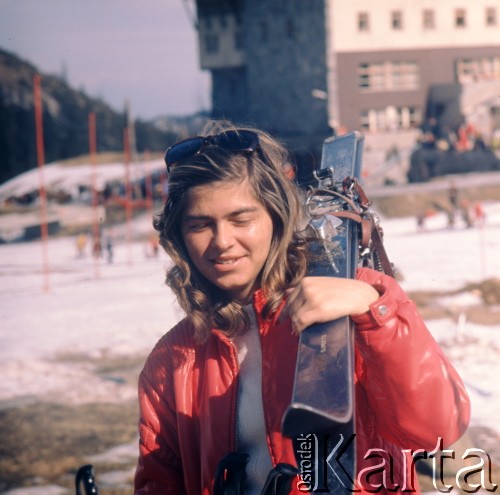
x=96, y=231
x=40, y=153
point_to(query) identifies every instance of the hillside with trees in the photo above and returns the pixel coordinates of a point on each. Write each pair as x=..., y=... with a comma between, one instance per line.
x=65, y=120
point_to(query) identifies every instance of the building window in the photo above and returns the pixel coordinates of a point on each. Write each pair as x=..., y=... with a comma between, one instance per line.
x=460, y=18
x=397, y=20
x=428, y=20
x=491, y=16
x=390, y=118
x=388, y=76
x=371, y=77
x=477, y=69
x=410, y=117
x=223, y=22
x=208, y=23
x=211, y=43
x=364, y=120
x=403, y=76
x=363, y=21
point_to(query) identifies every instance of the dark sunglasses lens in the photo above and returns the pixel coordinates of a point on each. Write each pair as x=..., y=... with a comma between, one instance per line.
x=238, y=140
x=183, y=150
x=231, y=140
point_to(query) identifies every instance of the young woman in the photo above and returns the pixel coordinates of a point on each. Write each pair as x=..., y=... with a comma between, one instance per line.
x=220, y=380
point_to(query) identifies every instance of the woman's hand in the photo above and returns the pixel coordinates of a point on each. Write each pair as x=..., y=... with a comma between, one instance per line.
x=322, y=299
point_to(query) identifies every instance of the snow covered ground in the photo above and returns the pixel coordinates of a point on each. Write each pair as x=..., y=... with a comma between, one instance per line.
x=69, y=178
x=123, y=311
x=127, y=308
x=442, y=259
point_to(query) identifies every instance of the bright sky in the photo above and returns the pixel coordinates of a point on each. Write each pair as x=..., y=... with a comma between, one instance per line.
x=143, y=50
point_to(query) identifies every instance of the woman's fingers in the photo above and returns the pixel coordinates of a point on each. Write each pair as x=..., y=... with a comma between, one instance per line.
x=321, y=299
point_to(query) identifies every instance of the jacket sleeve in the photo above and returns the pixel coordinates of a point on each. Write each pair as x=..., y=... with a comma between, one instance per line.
x=159, y=469
x=413, y=390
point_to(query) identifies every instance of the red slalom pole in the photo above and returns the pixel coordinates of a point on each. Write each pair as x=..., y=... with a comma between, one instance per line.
x=96, y=235
x=149, y=182
x=128, y=195
x=149, y=199
x=40, y=153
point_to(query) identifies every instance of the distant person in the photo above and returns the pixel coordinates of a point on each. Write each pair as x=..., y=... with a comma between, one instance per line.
x=154, y=245
x=479, y=144
x=81, y=244
x=479, y=214
x=110, y=248
x=453, y=198
x=429, y=133
x=216, y=386
x=466, y=134
x=453, y=195
x=466, y=213
x=420, y=217
x=450, y=215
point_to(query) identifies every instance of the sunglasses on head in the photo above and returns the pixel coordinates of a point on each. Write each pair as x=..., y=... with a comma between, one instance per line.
x=237, y=141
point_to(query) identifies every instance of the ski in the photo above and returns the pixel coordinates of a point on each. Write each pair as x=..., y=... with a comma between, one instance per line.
x=322, y=406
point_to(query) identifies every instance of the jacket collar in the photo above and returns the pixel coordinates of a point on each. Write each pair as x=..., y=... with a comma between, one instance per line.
x=259, y=301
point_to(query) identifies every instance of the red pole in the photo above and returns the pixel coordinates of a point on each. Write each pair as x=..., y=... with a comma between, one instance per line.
x=149, y=182
x=128, y=199
x=149, y=199
x=96, y=235
x=163, y=181
x=40, y=152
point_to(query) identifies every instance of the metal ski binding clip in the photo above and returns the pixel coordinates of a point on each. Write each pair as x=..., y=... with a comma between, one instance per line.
x=325, y=178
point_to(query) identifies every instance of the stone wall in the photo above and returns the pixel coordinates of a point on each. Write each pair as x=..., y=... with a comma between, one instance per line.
x=286, y=61
x=284, y=44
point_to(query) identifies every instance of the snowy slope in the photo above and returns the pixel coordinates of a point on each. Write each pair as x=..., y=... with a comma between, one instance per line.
x=128, y=308
x=68, y=178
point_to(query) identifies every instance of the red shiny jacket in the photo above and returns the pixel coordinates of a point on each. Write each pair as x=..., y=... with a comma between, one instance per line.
x=407, y=396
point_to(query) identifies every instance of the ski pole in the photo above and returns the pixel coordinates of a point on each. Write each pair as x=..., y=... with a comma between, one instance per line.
x=84, y=476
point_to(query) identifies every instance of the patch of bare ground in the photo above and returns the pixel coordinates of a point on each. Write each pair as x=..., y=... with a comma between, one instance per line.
x=410, y=200
x=123, y=369
x=45, y=443
x=487, y=313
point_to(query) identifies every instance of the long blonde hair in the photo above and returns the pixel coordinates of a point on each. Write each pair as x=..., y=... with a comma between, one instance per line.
x=205, y=305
